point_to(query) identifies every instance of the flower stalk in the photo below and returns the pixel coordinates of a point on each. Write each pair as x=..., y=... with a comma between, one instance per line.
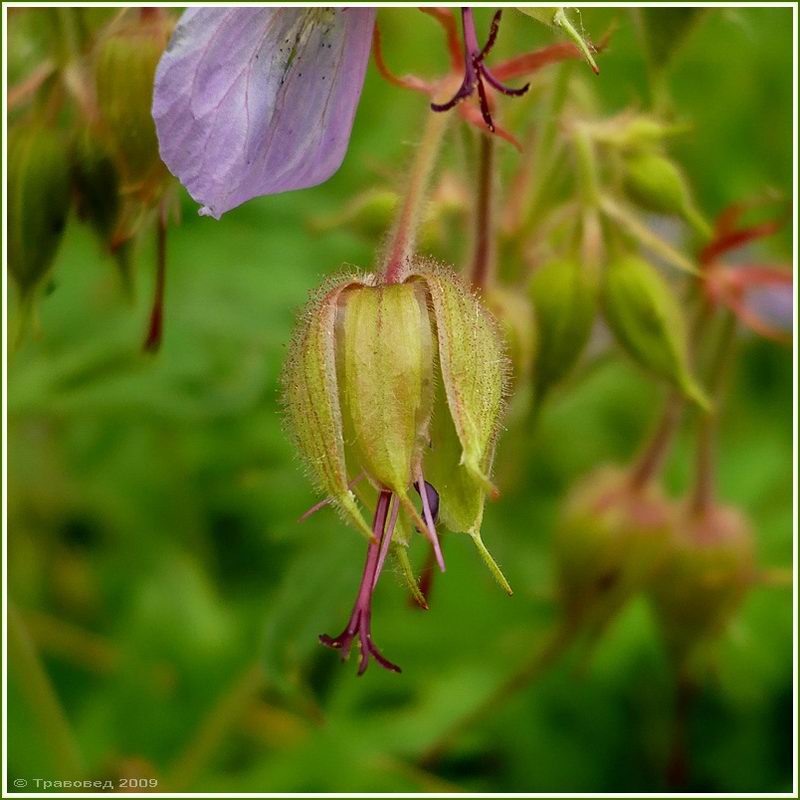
x=155, y=328
x=402, y=238
x=483, y=257
x=702, y=498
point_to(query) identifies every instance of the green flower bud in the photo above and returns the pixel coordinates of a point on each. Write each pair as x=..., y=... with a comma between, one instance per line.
x=648, y=322
x=515, y=317
x=710, y=566
x=99, y=200
x=97, y=183
x=368, y=214
x=636, y=132
x=125, y=66
x=610, y=541
x=395, y=382
x=401, y=384
x=38, y=202
x=656, y=184
x=564, y=295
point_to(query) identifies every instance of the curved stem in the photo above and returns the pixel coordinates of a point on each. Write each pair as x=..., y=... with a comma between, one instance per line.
x=216, y=726
x=483, y=257
x=38, y=690
x=703, y=493
x=403, y=235
x=655, y=451
x=555, y=644
x=155, y=328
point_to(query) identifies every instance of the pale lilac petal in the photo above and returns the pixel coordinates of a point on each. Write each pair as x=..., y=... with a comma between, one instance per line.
x=774, y=305
x=254, y=101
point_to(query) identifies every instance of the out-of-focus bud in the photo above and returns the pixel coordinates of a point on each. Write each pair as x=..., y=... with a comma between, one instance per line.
x=100, y=202
x=96, y=182
x=635, y=132
x=710, y=567
x=125, y=66
x=367, y=214
x=38, y=202
x=647, y=321
x=515, y=317
x=656, y=184
x=610, y=540
x=564, y=295
x=370, y=213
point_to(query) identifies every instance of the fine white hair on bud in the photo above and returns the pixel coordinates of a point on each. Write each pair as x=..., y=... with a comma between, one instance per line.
x=394, y=387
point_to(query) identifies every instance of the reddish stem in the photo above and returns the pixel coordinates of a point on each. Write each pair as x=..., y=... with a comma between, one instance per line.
x=155, y=329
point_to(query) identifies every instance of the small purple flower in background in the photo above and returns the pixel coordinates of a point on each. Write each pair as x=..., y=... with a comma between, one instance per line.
x=760, y=296
x=255, y=101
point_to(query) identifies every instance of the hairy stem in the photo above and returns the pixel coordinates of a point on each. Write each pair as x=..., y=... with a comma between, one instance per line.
x=402, y=238
x=483, y=257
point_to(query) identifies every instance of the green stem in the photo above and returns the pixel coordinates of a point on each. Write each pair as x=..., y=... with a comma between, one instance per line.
x=403, y=235
x=652, y=457
x=30, y=675
x=678, y=764
x=544, y=154
x=703, y=492
x=483, y=257
x=552, y=647
x=589, y=181
x=654, y=453
x=213, y=729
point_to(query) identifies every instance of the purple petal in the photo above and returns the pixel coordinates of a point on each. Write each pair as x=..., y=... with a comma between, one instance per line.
x=254, y=101
x=774, y=305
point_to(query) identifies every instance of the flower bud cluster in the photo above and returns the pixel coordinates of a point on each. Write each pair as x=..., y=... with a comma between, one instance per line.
x=88, y=137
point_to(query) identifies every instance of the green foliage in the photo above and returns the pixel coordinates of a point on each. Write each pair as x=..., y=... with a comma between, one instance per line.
x=156, y=562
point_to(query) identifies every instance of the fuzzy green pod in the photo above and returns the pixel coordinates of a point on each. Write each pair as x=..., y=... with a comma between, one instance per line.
x=564, y=295
x=610, y=540
x=644, y=315
x=386, y=378
x=399, y=384
x=124, y=66
x=655, y=183
x=710, y=567
x=38, y=202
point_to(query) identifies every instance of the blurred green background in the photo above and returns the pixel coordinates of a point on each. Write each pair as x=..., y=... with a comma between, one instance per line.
x=154, y=555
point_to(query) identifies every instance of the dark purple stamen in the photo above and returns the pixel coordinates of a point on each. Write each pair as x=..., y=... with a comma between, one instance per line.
x=433, y=498
x=430, y=515
x=360, y=619
x=475, y=71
